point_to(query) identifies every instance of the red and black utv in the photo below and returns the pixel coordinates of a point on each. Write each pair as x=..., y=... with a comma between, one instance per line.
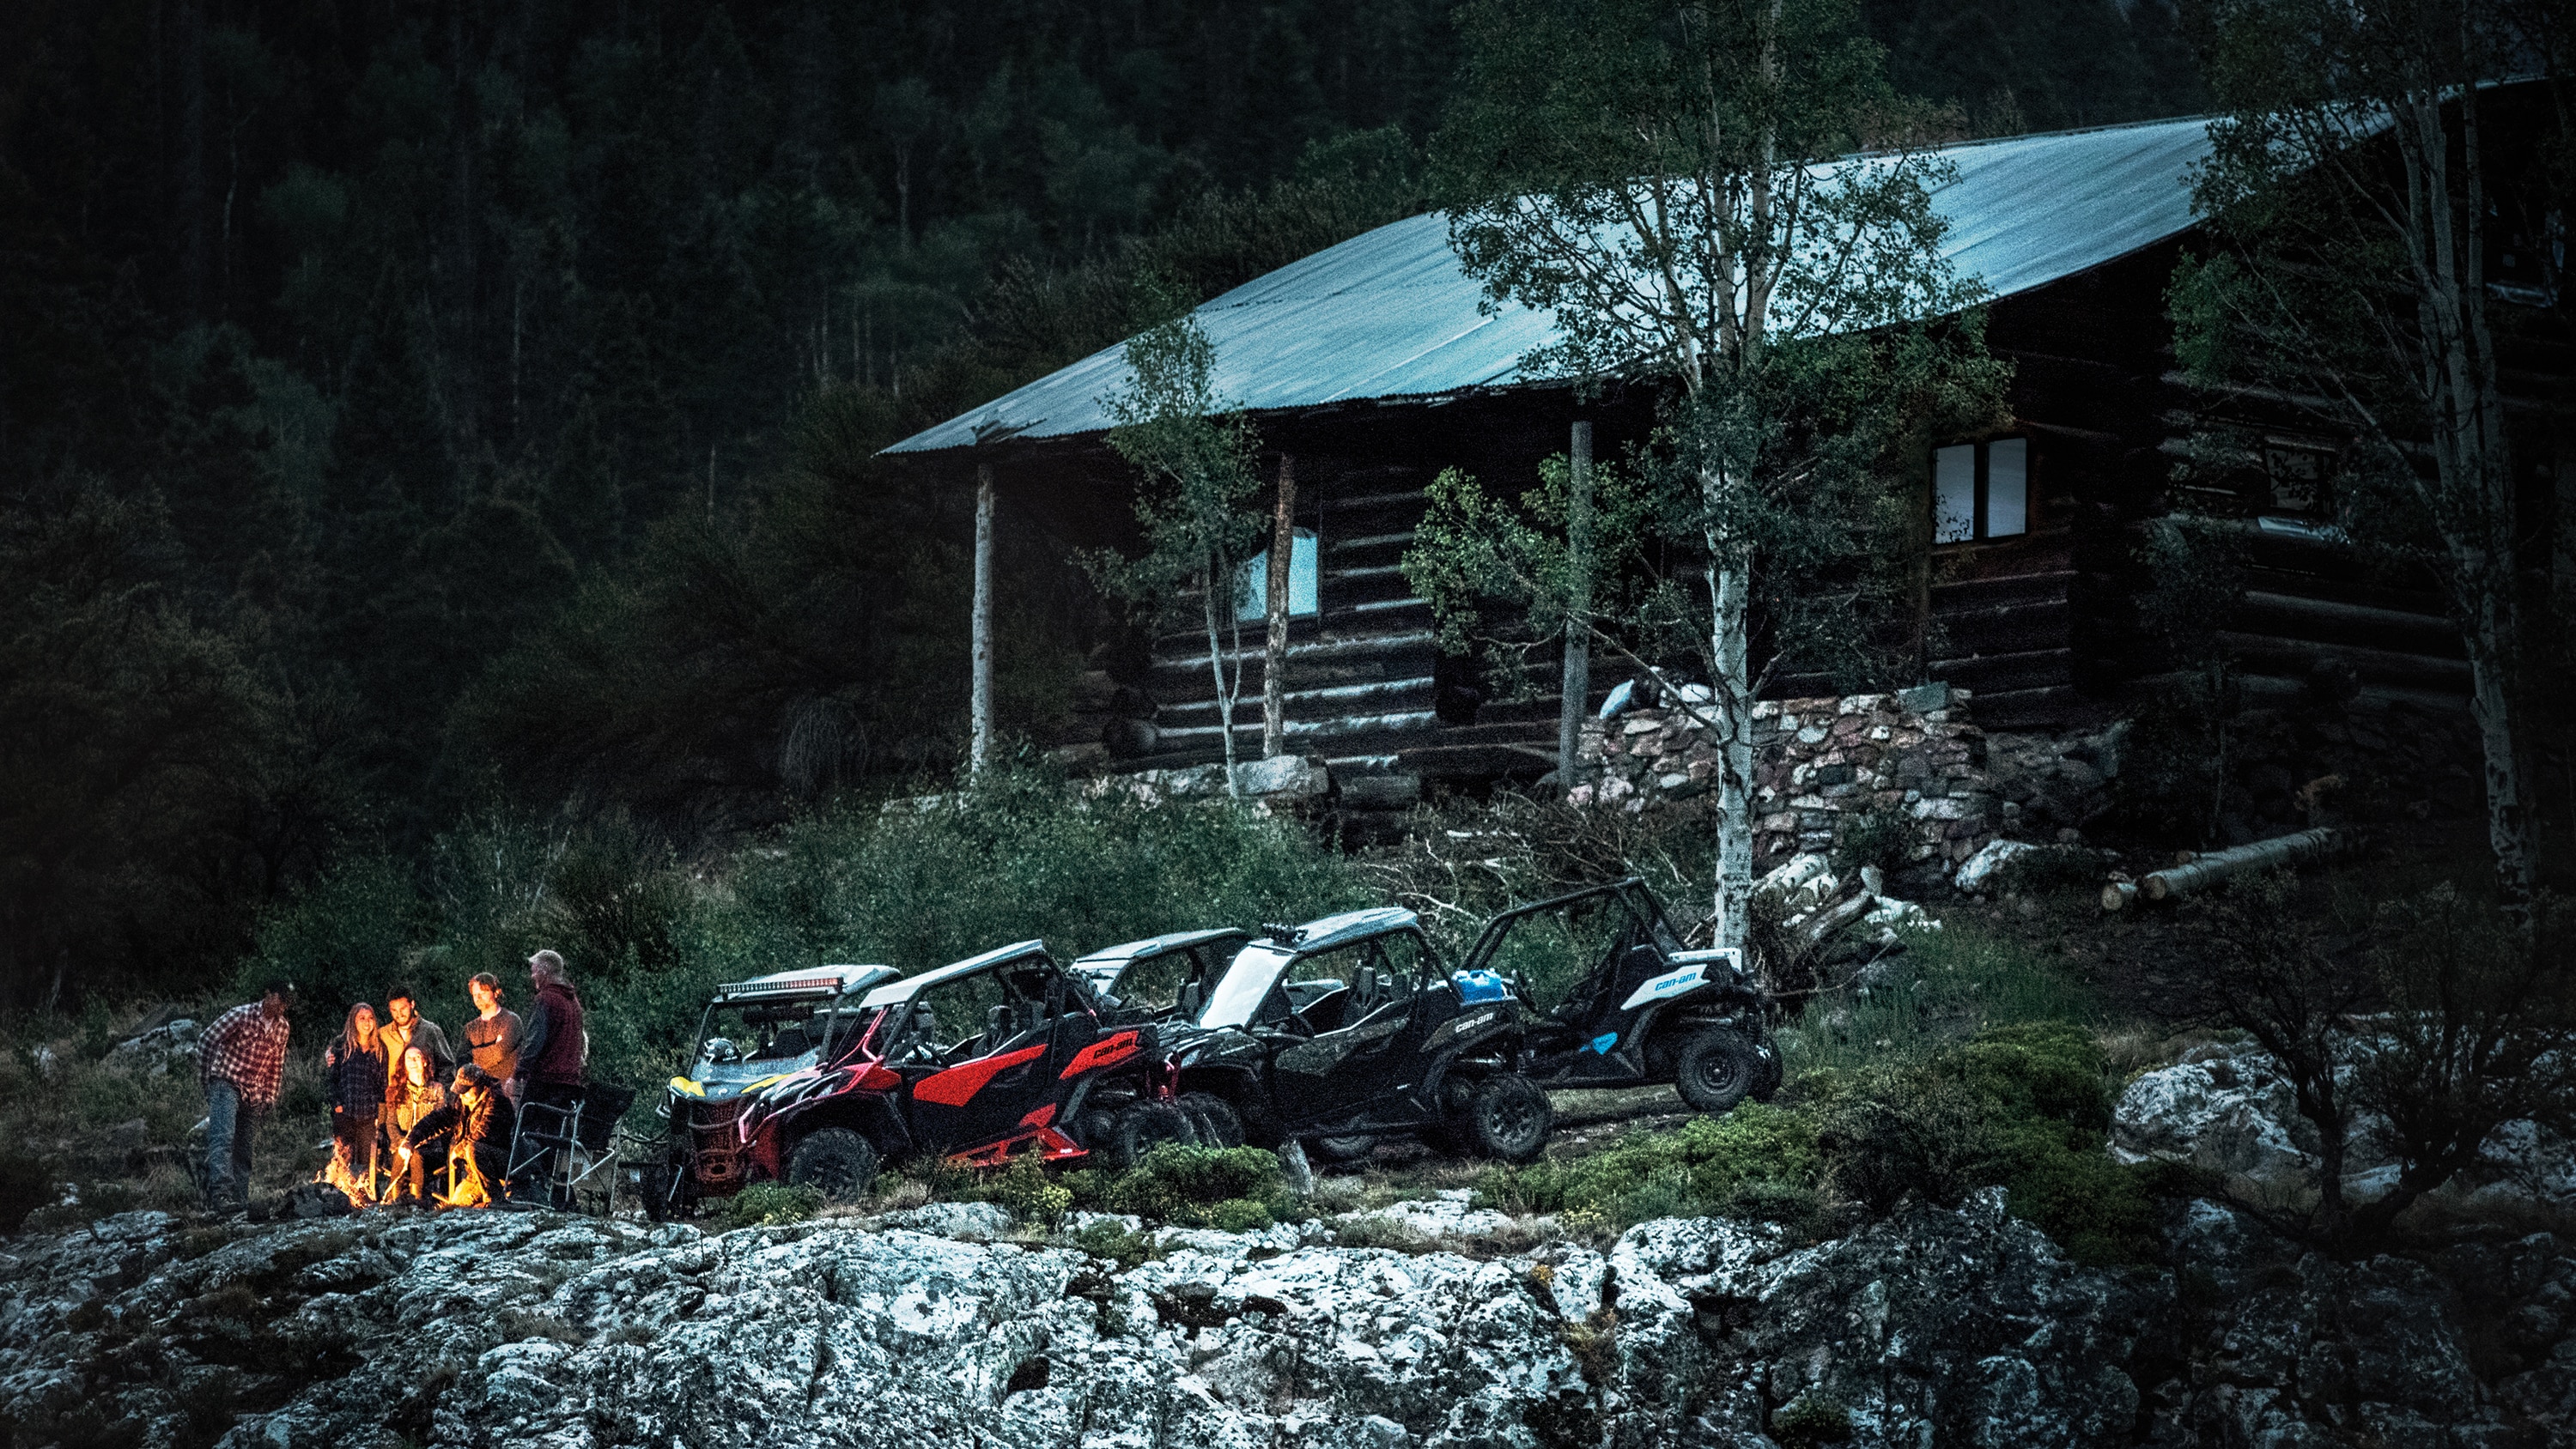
x=818, y=1078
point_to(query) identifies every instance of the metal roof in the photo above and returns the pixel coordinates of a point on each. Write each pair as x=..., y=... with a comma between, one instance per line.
x=911, y=986
x=1349, y=926
x=1389, y=314
x=1157, y=945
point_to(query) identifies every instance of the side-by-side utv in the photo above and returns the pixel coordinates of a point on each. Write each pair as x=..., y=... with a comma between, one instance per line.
x=820, y=1077
x=1159, y=976
x=1348, y=1029
x=1638, y=1009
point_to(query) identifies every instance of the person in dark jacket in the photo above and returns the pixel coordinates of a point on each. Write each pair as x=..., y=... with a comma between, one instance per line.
x=554, y=1054
x=353, y=1083
x=492, y=1033
x=477, y=1123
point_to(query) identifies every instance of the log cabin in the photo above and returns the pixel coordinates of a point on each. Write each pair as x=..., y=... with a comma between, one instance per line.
x=1371, y=366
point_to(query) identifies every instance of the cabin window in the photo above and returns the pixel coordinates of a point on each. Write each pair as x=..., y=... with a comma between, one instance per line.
x=1981, y=490
x=2296, y=476
x=1252, y=597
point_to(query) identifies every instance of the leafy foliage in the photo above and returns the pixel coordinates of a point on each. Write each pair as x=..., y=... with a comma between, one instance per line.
x=771, y=1204
x=1651, y=172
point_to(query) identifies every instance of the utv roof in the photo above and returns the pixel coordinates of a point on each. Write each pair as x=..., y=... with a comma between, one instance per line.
x=1157, y=945
x=812, y=981
x=1330, y=931
x=901, y=991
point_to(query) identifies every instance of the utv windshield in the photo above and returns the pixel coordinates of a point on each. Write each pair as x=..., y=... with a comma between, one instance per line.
x=1390, y=965
x=740, y=1043
x=1246, y=983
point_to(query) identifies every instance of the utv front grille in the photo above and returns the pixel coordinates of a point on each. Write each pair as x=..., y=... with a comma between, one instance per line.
x=715, y=1143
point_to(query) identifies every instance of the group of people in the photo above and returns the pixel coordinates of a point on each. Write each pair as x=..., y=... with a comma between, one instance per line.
x=402, y=1102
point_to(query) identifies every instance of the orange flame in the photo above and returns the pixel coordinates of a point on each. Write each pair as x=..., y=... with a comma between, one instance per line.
x=359, y=1188
x=468, y=1188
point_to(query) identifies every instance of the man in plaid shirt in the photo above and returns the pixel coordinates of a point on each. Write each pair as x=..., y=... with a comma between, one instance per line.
x=241, y=1060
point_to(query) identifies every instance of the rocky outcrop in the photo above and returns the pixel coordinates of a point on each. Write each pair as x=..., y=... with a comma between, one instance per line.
x=1935, y=1327
x=2228, y=1110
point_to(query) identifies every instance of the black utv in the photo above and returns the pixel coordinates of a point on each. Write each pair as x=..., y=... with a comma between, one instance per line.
x=1145, y=980
x=1638, y=1009
x=1348, y=1029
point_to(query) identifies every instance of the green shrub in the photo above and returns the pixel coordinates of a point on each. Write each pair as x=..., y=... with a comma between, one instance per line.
x=1757, y=1160
x=1028, y=1193
x=2051, y=1068
x=1240, y=1215
x=769, y=1204
x=1811, y=1420
x=1116, y=1243
x=2023, y=1107
x=1187, y=1185
x=1896, y=1131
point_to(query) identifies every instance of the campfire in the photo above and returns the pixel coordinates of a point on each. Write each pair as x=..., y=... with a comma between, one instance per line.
x=359, y=1187
x=466, y=1185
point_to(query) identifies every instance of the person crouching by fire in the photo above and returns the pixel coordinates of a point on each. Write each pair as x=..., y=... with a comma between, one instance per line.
x=416, y=1095
x=353, y=1083
x=474, y=1128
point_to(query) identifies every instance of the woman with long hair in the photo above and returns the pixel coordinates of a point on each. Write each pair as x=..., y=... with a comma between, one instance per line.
x=417, y=1093
x=353, y=1082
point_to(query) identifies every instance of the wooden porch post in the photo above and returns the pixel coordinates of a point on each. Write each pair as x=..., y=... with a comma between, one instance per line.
x=1274, y=659
x=1578, y=618
x=979, y=709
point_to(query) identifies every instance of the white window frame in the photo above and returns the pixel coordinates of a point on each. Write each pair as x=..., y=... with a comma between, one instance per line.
x=1981, y=491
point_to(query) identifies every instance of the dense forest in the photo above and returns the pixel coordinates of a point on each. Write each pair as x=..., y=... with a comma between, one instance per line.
x=415, y=408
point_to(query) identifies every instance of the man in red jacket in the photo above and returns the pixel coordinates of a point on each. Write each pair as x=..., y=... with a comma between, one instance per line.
x=554, y=1054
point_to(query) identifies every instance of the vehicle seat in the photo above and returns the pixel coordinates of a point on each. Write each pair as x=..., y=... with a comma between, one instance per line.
x=1641, y=965
x=790, y=1043
x=1329, y=1011
x=1001, y=1024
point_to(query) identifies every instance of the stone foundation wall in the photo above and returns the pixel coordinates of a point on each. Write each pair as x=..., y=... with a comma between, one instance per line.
x=1912, y=757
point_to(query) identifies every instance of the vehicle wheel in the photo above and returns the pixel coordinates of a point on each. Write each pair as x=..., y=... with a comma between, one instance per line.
x=836, y=1160
x=1095, y=1129
x=1509, y=1117
x=1767, y=1085
x=1717, y=1069
x=1218, y=1124
x=1142, y=1128
x=1344, y=1149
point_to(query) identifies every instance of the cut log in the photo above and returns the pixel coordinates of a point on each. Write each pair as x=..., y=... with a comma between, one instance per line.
x=2218, y=865
x=2118, y=893
x=1830, y=921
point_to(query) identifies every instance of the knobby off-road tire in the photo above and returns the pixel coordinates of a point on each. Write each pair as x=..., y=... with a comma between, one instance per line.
x=836, y=1161
x=1142, y=1128
x=1508, y=1118
x=1347, y=1148
x=1215, y=1119
x=1718, y=1068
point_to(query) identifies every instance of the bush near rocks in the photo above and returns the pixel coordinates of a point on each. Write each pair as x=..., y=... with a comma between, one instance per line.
x=1758, y=1161
x=770, y=1204
x=2024, y=1107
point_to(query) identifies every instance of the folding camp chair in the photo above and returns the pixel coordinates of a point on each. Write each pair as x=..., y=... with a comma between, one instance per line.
x=579, y=1139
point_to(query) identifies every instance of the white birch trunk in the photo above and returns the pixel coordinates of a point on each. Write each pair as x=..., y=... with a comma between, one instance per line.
x=1577, y=688
x=1217, y=585
x=1274, y=658
x=979, y=706
x=1730, y=595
